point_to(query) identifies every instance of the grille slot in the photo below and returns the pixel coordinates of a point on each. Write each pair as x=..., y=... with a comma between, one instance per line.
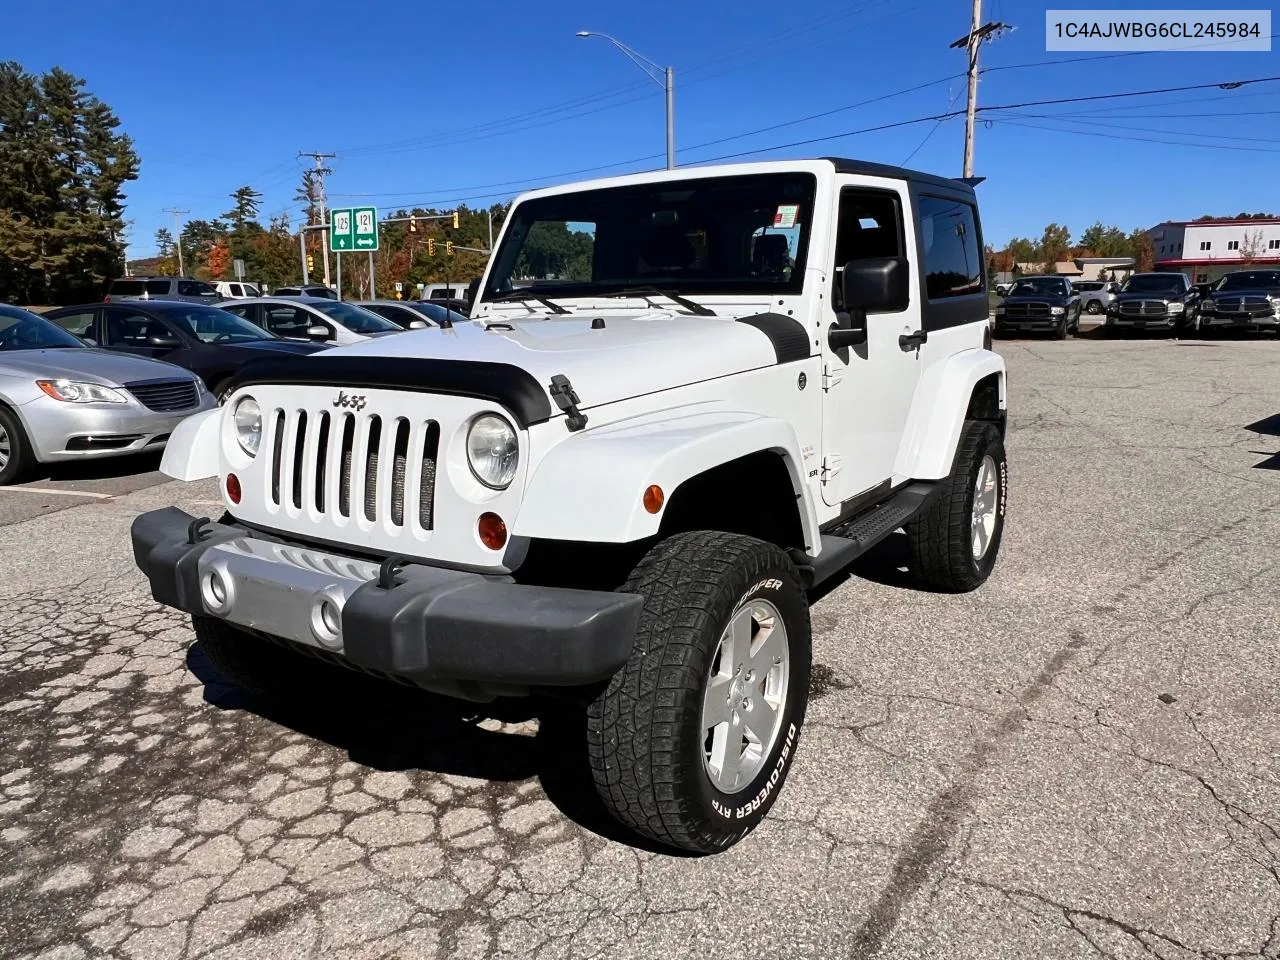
x=399, y=464
x=371, y=469
x=277, y=445
x=322, y=456
x=1027, y=310
x=165, y=395
x=344, y=478
x=427, y=485
x=297, y=466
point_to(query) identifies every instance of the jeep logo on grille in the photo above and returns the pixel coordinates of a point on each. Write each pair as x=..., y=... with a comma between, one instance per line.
x=349, y=400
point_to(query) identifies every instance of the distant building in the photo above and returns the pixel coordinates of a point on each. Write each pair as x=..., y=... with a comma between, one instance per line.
x=1206, y=249
x=1081, y=268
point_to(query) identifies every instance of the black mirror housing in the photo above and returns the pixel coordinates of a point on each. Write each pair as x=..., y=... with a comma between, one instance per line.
x=876, y=285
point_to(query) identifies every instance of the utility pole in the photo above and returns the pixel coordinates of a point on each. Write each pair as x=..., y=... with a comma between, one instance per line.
x=972, y=41
x=177, y=234
x=321, y=172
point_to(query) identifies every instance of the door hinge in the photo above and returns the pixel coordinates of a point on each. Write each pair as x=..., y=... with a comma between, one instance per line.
x=830, y=377
x=830, y=466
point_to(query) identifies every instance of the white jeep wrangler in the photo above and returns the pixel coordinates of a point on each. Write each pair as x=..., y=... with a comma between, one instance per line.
x=684, y=400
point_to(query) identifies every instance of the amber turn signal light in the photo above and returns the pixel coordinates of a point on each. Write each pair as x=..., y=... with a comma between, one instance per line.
x=233, y=488
x=492, y=530
x=653, y=498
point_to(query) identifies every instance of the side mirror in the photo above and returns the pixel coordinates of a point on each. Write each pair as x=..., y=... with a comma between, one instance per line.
x=318, y=331
x=418, y=324
x=164, y=341
x=874, y=285
x=89, y=341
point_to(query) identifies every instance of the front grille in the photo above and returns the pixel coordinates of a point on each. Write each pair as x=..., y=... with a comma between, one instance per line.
x=1254, y=306
x=165, y=395
x=1026, y=310
x=312, y=453
x=1144, y=308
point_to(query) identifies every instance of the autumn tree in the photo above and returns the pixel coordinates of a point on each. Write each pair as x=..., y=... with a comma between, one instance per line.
x=1251, y=246
x=219, y=260
x=1142, y=250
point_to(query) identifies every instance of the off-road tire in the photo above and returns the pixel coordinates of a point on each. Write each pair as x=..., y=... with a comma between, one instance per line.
x=940, y=537
x=254, y=664
x=21, y=456
x=644, y=736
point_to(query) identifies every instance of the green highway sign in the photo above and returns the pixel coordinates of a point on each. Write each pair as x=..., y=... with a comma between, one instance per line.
x=353, y=228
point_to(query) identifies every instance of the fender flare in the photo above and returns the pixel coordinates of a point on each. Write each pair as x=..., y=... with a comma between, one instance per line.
x=938, y=412
x=589, y=486
x=192, y=450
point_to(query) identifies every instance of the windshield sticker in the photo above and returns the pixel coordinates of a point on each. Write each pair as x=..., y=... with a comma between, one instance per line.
x=785, y=218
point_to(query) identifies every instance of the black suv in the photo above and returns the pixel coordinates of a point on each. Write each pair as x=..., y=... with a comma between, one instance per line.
x=209, y=342
x=1244, y=300
x=1046, y=304
x=1154, y=301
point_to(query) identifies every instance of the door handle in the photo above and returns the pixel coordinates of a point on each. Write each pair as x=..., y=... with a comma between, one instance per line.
x=912, y=341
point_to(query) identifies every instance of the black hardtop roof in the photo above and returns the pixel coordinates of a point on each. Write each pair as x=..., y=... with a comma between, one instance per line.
x=869, y=169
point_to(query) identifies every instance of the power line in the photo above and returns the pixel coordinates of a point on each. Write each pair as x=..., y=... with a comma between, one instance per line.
x=1117, y=136
x=1126, y=126
x=932, y=130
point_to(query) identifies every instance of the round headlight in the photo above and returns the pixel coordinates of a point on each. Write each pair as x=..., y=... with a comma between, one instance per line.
x=492, y=451
x=248, y=422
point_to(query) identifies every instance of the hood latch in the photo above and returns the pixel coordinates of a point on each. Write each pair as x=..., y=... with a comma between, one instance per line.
x=562, y=393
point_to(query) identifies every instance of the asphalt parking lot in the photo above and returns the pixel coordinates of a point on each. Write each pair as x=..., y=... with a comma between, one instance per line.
x=1079, y=760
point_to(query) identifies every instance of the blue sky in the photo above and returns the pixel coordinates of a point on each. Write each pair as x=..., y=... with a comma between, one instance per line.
x=440, y=103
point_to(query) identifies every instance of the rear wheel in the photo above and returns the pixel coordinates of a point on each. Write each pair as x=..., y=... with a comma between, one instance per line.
x=16, y=455
x=1094, y=308
x=954, y=541
x=691, y=741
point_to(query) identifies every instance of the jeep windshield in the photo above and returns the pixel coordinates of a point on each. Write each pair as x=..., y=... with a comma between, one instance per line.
x=717, y=235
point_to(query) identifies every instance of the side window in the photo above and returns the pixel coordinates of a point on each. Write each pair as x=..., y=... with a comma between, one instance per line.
x=869, y=226
x=289, y=321
x=158, y=288
x=126, y=328
x=952, y=260
x=81, y=324
x=235, y=289
x=244, y=310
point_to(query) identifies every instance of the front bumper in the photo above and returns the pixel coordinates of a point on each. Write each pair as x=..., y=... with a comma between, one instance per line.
x=73, y=431
x=1168, y=321
x=432, y=627
x=1028, y=324
x=1238, y=321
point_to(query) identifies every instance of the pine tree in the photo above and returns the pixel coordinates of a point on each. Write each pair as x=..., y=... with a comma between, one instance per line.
x=247, y=202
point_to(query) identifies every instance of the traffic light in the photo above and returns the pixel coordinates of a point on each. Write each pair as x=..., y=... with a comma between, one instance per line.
x=448, y=245
x=311, y=263
x=455, y=219
x=413, y=224
x=431, y=246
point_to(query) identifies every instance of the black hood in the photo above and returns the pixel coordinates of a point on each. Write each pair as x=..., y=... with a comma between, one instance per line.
x=1055, y=299
x=1249, y=292
x=1166, y=295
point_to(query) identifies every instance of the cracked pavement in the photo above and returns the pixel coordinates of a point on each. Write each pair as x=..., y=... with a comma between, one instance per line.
x=1078, y=760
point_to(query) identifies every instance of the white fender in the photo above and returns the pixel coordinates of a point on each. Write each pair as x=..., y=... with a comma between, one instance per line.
x=937, y=414
x=590, y=487
x=192, y=450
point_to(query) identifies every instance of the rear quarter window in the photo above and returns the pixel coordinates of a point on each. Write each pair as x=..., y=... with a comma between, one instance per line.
x=127, y=288
x=949, y=236
x=157, y=287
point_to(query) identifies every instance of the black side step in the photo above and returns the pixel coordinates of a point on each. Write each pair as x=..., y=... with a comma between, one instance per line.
x=844, y=544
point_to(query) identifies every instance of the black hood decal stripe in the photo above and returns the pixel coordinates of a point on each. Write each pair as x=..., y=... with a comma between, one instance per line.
x=499, y=383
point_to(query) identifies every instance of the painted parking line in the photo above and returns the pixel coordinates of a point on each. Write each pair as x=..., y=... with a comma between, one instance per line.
x=47, y=491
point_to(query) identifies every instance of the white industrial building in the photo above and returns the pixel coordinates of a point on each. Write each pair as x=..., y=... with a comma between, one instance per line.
x=1206, y=249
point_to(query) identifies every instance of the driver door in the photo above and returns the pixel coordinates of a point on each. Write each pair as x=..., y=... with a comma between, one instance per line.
x=868, y=388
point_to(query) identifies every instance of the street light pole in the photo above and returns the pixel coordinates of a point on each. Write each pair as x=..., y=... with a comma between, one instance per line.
x=664, y=77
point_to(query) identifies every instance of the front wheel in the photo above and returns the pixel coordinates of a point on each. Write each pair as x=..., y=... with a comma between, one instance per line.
x=954, y=541
x=1062, y=329
x=16, y=457
x=691, y=741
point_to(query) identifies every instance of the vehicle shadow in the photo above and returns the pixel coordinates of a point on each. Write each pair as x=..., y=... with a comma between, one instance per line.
x=386, y=726
x=1266, y=427
x=106, y=468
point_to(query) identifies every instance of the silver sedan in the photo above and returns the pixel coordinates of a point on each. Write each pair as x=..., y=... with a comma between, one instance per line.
x=63, y=400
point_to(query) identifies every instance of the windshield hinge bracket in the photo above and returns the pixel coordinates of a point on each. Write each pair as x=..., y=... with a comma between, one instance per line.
x=562, y=393
x=830, y=377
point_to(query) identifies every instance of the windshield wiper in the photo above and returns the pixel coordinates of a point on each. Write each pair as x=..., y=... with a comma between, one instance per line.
x=516, y=295
x=646, y=292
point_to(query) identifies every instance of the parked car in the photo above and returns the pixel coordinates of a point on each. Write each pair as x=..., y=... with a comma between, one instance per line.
x=307, y=290
x=1095, y=295
x=1154, y=301
x=1039, y=304
x=1002, y=289
x=234, y=289
x=1244, y=300
x=209, y=342
x=161, y=288
x=449, y=303
x=331, y=322
x=409, y=314
x=61, y=399
x=624, y=484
